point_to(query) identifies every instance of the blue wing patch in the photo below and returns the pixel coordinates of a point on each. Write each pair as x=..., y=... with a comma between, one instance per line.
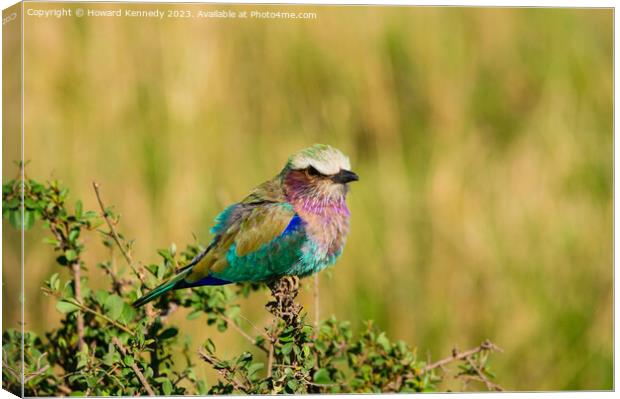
x=293, y=224
x=209, y=280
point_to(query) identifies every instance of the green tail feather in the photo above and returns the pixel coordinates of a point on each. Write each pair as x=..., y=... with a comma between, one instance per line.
x=163, y=288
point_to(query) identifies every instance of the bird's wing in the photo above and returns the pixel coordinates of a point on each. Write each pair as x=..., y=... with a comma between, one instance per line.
x=248, y=228
x=260, y=218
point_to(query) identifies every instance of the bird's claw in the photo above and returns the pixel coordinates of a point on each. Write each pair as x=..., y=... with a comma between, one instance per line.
x=284, y=292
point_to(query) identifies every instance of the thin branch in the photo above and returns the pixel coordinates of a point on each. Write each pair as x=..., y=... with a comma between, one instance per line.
x=104, y=317
x=117, y=283
x=180, y=378
x=485, y=346
x=137, y=271
x=114, y=234
x=135, y=368
x=40, y=370
x=259, y=331
x=272, y=337
x=65, y=389
x=36, y=373
x=62, y=245
x=8, y=368
x=314, y=384
x=107, y=374
x=270, y=359
x=245, y=335
x=490, y=385
x=75, y=269
x=227, y=373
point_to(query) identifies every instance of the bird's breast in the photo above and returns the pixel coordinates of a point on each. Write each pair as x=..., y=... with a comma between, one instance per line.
x=328, y=229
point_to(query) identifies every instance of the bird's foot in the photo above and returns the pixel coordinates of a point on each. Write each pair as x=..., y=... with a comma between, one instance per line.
x=292, y=283
x=284, y=292
x=288, y=284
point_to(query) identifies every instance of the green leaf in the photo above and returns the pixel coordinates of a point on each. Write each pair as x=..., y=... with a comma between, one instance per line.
x=63, y=193
x=30, y=203
x=108, y=358
x=254, y=368
x=82, y=356
x=383, y=340
x=201, y=387
x=233, y=312
x=128, y=360
x=164, y=253
x=54, y=282
x=90, y=214
x=167, y=387
x=322, y=377
x=78, y=209
x=65, y=307
x=193, y=315
x=74, y=234
x=28, y=219
x=114, y=306
x=293, y=384
x=161, y=271
x=50, y=241
x=287, y=348
x=169, y=333
x=15, y=219
x=71, y=255
x=13, y=203
x=128, y=314
x=209, y=345
x=101, y=296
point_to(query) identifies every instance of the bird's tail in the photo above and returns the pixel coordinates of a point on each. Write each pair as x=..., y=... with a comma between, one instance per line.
x=175, y=282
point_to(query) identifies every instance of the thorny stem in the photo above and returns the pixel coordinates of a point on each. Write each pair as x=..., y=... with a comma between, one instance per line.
x=135, y=368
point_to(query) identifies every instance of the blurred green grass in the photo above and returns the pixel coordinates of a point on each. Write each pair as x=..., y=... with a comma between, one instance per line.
x=483, y=138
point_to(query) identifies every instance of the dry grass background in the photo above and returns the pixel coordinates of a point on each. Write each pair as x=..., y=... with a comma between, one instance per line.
x=483, y=138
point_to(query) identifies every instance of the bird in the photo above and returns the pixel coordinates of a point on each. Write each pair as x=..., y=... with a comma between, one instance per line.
x=295, y=224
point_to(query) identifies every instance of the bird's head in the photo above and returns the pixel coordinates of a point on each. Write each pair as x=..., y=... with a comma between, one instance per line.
x=319, y=170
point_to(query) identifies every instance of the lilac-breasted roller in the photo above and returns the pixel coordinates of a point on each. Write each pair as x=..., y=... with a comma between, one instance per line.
x=295, y=224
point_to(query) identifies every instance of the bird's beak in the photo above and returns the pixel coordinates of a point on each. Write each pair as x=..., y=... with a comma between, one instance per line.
x=345, y=176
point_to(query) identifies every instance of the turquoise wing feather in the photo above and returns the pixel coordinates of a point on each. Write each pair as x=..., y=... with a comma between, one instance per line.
x=252, y=243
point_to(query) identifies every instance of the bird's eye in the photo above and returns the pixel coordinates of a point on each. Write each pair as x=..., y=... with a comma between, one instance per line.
x=313, y=172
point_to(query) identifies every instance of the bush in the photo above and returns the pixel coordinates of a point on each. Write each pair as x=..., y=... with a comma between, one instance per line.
x=104, y=346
